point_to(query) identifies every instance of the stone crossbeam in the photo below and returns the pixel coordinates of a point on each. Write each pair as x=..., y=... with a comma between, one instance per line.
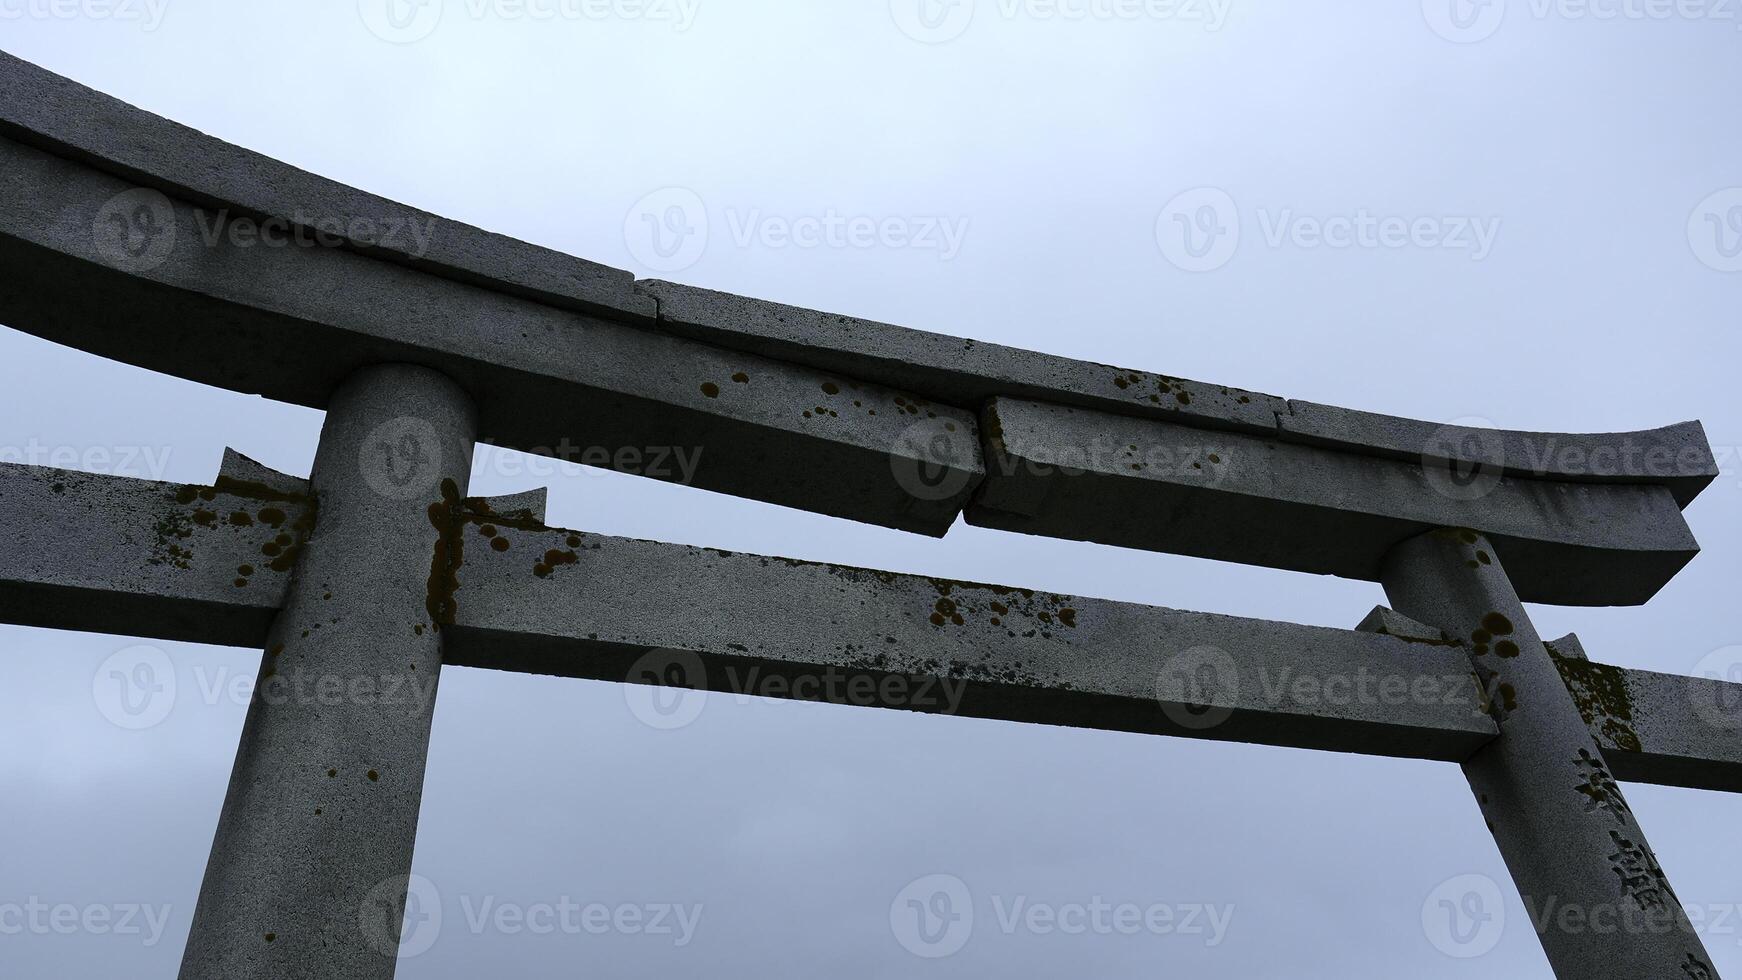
x=1144, y=483
x=135, y=238
x=210, y=564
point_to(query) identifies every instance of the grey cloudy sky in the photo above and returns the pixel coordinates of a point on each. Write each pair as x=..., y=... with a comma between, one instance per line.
x=1036, y=174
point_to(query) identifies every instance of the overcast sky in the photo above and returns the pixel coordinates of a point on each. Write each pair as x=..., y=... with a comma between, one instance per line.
x=1576, y=180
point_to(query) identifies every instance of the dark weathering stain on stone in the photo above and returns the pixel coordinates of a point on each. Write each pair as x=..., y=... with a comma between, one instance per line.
x=1600, y=692
x=178, y=524
x=447, y=515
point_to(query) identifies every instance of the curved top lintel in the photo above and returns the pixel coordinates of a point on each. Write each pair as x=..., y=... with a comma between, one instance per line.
x=52, y=113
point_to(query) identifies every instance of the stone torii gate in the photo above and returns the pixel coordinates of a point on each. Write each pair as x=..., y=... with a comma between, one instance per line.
x=131, y=237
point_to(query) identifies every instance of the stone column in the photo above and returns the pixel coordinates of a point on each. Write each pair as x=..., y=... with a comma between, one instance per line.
x=1578, y=857
x=309, y=868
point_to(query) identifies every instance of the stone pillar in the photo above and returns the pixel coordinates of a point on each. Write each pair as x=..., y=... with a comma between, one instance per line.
x=1578, y=857
x=309, y=868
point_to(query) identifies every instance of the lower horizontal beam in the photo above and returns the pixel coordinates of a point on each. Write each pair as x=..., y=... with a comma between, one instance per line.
x=117, y=555
x=583, y=605
x=138, y=558
x=1666, y=729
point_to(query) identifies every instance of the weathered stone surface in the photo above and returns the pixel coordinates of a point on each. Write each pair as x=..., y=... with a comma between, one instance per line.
x=120, y=555
x=54, y=113
x=1393, y=623
x=584, y=605
x=97, y=257
x=966, y=372
x=949, y=369
x=1657, y=728
x=1140, y=483
x=1675, y=456
x=528, y=505
x=239, y=470
x=291, y=323
x=309, y=865
x=1544, y=786
x=111, y=554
